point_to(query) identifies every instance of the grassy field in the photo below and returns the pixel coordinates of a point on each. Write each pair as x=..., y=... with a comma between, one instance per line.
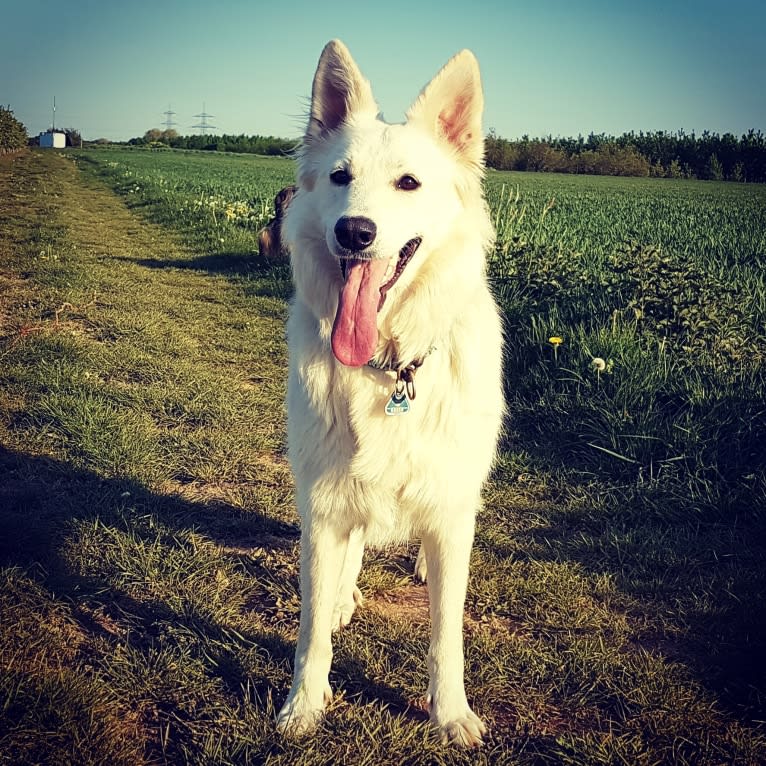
x=148, y=539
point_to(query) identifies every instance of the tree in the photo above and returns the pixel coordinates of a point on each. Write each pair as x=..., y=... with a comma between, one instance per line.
x=738, y=173
x=674, y=170
x=13, y=134
x=713, y=168
x=73, y=137
x=154, y=134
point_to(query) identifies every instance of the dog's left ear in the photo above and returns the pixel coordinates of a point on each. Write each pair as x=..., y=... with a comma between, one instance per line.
x=451, y=105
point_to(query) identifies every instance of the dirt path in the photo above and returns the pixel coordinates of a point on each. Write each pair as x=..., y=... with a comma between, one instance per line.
x=44, y=200
x=153, y=323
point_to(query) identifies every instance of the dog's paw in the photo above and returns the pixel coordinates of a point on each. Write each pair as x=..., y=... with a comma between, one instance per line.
x=465, y=731
x=345, y=608
x=421, y=567
x=302, y=711
x=458, y=725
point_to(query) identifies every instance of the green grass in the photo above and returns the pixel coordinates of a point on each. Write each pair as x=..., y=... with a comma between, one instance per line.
x=217, y=206
x=593, y=215
x=148, y=539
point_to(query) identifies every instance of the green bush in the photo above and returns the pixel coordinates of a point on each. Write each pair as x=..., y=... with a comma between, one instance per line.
x=13, y=135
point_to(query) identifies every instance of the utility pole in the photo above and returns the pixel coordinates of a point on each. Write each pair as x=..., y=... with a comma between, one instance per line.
x=169, y=122
x=204, y=127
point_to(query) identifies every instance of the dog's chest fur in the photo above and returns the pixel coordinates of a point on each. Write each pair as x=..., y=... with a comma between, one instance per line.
x=393, y=474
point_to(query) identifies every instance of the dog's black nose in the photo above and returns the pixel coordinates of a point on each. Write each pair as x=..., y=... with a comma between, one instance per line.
x=355, y=232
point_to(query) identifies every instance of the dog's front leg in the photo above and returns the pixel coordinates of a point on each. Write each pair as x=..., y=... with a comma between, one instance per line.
x=323, y=550
x=349, y=596
x=448, y=558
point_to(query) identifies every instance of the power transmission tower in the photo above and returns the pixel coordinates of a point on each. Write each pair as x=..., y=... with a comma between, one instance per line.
x=169, y=122
x=204, y=127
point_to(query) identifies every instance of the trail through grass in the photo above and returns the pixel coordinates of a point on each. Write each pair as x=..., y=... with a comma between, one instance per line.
x=148, y=539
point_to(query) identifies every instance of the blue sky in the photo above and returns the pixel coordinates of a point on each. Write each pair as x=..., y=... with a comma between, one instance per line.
x=552, y=67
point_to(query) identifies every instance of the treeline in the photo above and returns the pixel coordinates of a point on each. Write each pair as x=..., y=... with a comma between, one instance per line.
x=661, y=154
x=13, y=134
x=709, y=156
x=224, y=143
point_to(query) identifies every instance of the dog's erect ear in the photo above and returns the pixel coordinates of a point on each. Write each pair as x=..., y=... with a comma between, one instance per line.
x=339, y=90
x=451, y=106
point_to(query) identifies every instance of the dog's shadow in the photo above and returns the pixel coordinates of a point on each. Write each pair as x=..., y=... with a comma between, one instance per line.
x=258, y=275
x=43, y=500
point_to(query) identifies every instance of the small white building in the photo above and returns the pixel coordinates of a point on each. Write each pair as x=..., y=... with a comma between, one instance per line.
x=53, y=140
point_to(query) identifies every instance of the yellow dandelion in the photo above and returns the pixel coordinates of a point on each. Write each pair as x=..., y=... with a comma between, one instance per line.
x=555, y=341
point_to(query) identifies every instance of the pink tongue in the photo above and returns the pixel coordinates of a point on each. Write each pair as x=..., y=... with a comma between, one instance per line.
x=355, y=331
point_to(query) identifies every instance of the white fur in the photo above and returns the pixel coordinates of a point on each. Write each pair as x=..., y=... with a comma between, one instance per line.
x=363, y=477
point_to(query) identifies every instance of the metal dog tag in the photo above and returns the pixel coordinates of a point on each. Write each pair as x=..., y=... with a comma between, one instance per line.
x=398, y=404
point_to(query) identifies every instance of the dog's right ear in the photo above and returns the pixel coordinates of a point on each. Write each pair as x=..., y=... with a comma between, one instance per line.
x=339, y=91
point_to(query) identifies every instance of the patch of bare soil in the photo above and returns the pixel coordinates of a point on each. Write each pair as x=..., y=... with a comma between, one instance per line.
x=409, y=603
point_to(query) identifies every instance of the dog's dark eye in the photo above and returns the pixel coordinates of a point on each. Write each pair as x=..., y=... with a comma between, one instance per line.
x=340, y=177
x=407, y=183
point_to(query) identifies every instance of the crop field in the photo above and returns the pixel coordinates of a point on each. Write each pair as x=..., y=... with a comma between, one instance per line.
x=148, y=537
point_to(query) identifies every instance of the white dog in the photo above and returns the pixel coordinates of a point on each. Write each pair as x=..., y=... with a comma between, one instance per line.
x=388, y=234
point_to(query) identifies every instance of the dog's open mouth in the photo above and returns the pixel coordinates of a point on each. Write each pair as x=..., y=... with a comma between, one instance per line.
x=366, y=282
